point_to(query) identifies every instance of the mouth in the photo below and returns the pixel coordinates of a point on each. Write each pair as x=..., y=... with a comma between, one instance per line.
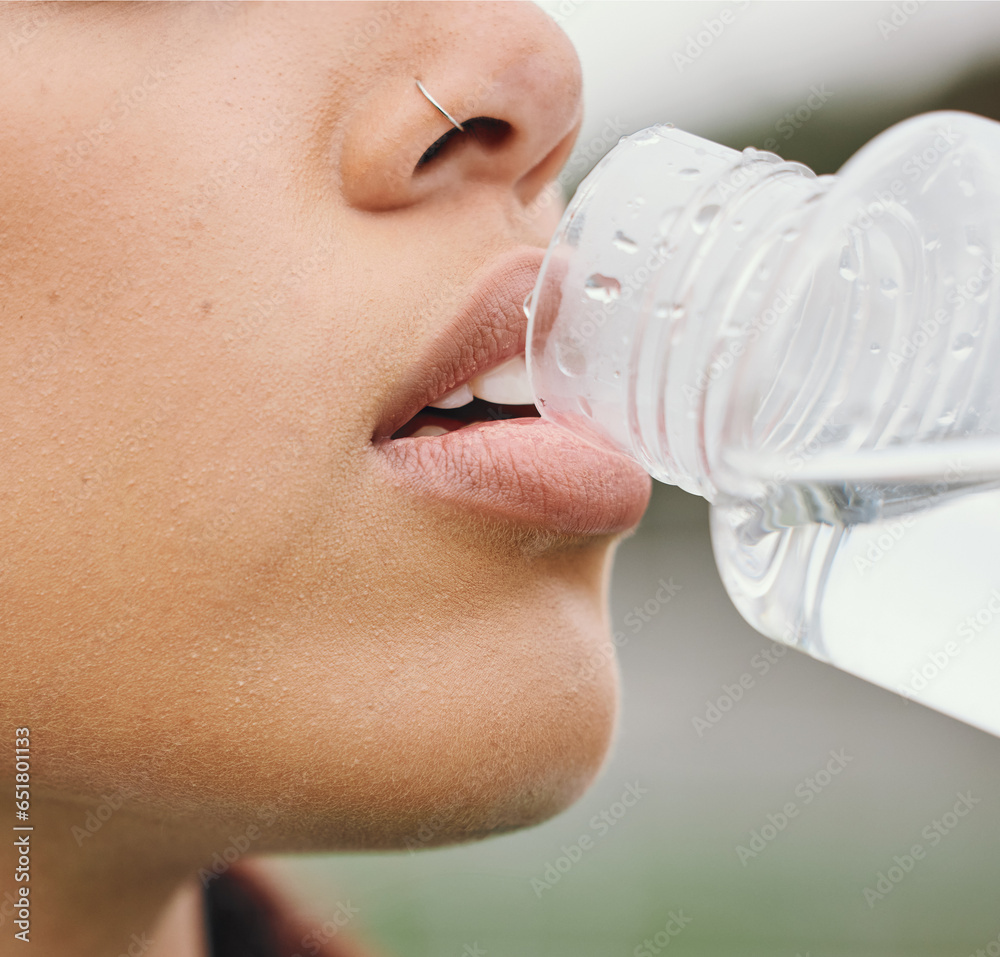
x=463, y=429
x=501, y=392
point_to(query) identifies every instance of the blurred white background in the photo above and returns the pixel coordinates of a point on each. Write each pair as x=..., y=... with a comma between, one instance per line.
x=767, y=58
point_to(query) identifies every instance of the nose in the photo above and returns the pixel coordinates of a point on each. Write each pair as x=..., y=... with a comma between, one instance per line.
x=506, y=72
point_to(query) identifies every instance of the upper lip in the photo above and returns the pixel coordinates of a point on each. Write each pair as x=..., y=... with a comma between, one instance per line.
x=489, y=327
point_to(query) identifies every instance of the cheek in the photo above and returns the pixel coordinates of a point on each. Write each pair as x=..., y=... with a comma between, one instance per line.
x=137, y=432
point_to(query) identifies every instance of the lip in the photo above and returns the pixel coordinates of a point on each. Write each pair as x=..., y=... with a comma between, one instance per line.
x=527, y=470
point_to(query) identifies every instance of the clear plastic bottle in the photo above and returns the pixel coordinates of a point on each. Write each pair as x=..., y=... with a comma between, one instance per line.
x=820, y=358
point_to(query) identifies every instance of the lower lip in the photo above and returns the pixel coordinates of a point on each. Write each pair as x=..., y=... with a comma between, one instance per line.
x=526, y=470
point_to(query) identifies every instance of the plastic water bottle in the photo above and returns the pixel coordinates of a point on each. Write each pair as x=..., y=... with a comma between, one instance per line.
x=819, y=357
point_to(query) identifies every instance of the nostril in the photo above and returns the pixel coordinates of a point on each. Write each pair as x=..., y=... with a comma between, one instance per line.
x=435, y=148
x=488, y=132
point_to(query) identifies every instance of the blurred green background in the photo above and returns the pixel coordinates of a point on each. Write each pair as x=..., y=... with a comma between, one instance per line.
x=671, y=859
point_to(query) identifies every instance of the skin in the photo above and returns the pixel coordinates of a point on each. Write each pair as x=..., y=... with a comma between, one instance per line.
x=214, y=608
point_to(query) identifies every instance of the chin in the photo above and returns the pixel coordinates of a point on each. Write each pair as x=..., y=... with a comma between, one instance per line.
x=476, y=695
x=479, y=723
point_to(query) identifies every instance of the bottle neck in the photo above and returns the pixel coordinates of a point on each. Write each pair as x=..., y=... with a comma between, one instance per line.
x=719, y=304
x=737, y=324
x=662, y=270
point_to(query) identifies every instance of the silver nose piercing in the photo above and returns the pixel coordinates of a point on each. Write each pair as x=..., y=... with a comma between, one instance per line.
x=439, y=107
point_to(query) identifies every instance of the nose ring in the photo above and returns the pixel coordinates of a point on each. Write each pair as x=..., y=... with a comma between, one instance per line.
x=440, y=108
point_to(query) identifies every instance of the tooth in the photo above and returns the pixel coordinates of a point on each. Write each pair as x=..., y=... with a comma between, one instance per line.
x=429, y=430
x=454, y=399
x=506, y=384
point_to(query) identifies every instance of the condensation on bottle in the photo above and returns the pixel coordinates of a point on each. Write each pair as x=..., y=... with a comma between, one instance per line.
x=817, y=356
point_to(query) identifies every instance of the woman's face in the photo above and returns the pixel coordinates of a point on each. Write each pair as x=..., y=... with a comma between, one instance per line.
x=226, y=284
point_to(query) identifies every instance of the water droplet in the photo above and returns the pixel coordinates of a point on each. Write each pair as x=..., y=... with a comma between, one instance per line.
x=574, y=228
x=668, y=310
x=963, y=345
x=690, y=172
x=665, y=249
x=739, y=225
x=705, y=216
x=948, y=418
x=790, y=234
x=875, y=348
x=529, y=301
x=932, y=243
x=650, y=135
x=847, y=269
x=602, y=288
x=973, y=242
x=570, y=358
x=585, y=407
x=763, y=271
x=889, y=288
x=749, y=155
x=967, y=187
x=625, y=244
